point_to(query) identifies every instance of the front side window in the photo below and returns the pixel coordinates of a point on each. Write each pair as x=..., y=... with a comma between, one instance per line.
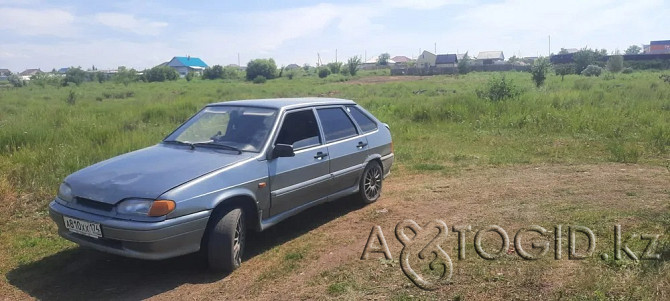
x=299, y=129
x=243, y=128
x=336, y=124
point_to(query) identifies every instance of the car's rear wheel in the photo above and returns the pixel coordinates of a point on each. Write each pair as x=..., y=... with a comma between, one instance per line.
x=225, y=247
x=370, y=186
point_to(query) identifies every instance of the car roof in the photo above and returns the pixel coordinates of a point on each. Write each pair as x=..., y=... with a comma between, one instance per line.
x=286, y=103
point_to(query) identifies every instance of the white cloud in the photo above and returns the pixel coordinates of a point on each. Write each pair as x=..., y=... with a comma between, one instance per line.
x=127, y=22
x=35, y=22
x=417, y=4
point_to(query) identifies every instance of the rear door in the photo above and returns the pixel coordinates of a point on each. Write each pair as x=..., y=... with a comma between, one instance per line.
x=347, y=149
x=298, y=180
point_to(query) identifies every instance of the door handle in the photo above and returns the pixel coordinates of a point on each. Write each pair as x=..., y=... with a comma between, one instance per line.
x=320, y=155
x=361, y=145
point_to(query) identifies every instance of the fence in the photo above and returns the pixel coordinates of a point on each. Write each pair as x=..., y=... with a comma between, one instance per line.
x=454, y=70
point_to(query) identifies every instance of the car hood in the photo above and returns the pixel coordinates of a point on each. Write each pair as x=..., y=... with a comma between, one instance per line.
x=148, y=172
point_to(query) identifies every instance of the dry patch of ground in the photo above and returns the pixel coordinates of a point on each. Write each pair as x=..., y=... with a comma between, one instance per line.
x=316, y=255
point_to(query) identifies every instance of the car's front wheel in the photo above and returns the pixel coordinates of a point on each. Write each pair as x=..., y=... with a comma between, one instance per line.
x=226, y=243
x=370, y=186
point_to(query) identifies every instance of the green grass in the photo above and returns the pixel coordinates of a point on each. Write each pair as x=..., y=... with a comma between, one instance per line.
x=49, y=132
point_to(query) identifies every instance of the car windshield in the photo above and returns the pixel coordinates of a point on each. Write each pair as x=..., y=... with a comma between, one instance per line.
x=227, y=127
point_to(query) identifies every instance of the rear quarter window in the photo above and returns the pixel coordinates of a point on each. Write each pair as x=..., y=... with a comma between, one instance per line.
x=364, y=122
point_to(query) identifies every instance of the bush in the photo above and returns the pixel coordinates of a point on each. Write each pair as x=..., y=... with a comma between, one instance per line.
x=261, y=67
x=324, y=72
x=592, y=70
x=539, y=71
x=564, y=69
x=189, y=76
x=125, y=76
x=615, y=63
x=260, y=79
x=627, y=70
x=464, y=64
x=499, y=89
x=335, y=67
x=214, y=72
x=352, y=65
x=16, y=80
x=74, y=75
x=586, y=57
x=160, y=74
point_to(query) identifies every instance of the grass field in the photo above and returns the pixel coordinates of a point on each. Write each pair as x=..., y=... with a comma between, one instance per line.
x=441, y=130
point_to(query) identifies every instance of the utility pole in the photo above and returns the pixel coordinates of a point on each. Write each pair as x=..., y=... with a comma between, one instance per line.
x=238, y=60
x=549, y=45
x=336, y=55
x=435, y=47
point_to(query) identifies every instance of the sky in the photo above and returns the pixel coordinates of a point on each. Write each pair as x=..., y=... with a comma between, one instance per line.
x=142, y=34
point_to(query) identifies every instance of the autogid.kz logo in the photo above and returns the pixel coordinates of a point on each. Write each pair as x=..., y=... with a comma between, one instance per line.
x=425, y=262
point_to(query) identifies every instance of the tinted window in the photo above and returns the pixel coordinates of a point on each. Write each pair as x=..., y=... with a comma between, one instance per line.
x=299, y=129
x=336, y=124
x=364, y=122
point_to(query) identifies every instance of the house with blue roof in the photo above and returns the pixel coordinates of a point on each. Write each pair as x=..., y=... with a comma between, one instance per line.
x=186, y=64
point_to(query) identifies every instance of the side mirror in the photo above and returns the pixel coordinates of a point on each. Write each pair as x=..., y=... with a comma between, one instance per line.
x=282, y=150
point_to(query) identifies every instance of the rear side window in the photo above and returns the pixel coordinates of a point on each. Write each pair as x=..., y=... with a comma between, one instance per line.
x=365, y=122
x=336, y=124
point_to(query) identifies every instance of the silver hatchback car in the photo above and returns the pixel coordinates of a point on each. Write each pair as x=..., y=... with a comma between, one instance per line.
x=233, y=166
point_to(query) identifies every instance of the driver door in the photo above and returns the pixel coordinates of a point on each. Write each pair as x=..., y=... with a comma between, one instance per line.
x=298, y=180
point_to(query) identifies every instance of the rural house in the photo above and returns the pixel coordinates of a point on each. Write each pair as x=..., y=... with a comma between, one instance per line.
x=186, y=64
x=446, y=60
x=292, y=66
x=26, y=74
x=5, y=72
x=490, y=57
x=401, y=59
x=426, y=60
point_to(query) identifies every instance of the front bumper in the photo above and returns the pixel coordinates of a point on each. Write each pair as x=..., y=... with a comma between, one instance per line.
x=144, y=240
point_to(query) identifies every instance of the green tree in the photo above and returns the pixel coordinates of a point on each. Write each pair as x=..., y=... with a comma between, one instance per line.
x=464, y=64
x=633, y=49
x=335, y=67
x=564, y=69
x=585, y=57
x=125, y=76
x=74, y=75
x=160, y=74
x=265, y=67
x=16, y=80
x=563, y=51
x=352, y=65
x=539, y=71
x=383, y=59
x=615, y=63
x=214, y=72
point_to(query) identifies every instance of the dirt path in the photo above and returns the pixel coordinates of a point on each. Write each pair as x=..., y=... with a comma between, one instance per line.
x=316, y=255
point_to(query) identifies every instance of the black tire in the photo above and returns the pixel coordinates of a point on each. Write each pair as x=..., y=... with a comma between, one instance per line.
x=370, y=186
x=225, y=247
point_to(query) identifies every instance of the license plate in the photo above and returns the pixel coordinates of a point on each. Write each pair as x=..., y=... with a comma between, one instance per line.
x=82, y=227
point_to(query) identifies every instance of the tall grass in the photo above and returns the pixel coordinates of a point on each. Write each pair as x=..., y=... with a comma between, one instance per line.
x=49, y=132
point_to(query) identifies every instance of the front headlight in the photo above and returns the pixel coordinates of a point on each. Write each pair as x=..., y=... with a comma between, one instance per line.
x=145, y=207
x=65, y=192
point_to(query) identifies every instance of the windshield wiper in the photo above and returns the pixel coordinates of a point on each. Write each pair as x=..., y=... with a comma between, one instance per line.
x=228, y=147
x=180, y=143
